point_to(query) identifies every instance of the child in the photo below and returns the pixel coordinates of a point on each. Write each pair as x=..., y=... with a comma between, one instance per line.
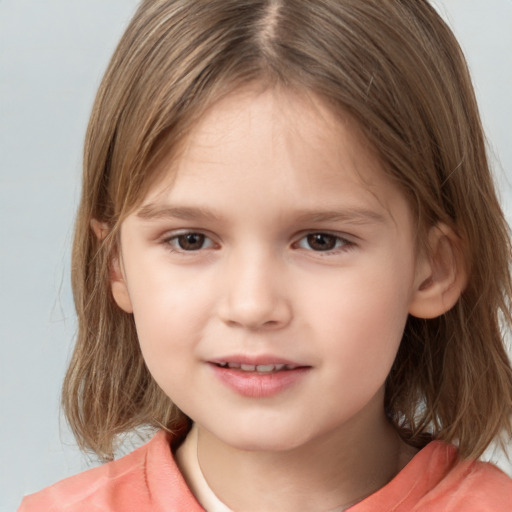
x=290, y=260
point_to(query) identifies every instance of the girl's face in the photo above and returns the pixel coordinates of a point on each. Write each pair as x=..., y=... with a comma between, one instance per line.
x=270, y=274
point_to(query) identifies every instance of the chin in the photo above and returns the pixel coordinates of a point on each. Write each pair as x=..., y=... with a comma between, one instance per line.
x=263, y=439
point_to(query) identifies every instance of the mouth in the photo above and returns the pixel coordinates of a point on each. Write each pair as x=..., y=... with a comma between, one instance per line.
x=258, y=377
x=257, y=368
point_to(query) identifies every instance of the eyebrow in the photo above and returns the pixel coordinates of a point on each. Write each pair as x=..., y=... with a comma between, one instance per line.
x=353, y=215
x=154, y=212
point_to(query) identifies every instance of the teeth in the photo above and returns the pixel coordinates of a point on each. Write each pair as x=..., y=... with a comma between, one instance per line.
x=262, y=368
x=265, y=368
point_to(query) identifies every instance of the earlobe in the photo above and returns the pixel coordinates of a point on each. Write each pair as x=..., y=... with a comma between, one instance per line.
x=117, y=279
x=440, y=275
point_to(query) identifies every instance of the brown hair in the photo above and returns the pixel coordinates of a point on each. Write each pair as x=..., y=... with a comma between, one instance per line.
x=395, y=67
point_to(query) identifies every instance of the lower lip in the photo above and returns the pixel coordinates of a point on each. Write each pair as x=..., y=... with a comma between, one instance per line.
x=259, y=385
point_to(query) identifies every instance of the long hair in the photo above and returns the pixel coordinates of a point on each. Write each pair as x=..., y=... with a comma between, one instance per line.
x=392, y=65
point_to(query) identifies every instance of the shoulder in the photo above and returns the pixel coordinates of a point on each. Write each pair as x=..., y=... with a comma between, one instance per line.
x=453, y=484
x=141, y=481
x=472, y=485
x=437, y=479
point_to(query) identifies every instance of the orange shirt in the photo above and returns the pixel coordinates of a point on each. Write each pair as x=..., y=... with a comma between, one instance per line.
x=148, y=480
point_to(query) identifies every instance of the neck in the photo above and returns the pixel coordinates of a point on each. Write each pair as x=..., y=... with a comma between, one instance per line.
x=330, y=473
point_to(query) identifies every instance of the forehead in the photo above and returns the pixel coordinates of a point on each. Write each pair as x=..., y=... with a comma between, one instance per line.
x=277, y=144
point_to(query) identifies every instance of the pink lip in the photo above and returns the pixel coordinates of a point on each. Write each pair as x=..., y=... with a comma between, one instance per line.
x=258, y=384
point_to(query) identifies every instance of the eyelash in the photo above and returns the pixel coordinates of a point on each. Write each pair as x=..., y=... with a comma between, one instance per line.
x=341, y=244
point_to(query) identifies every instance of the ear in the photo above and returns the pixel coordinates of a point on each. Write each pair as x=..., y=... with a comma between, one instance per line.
x=441, y=275
x=100, y=229
x=116, y=275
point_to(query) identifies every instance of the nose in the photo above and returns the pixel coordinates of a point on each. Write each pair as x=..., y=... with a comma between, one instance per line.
x=255, y=293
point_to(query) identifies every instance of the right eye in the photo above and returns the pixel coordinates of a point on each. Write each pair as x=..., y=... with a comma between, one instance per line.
x=187, y=242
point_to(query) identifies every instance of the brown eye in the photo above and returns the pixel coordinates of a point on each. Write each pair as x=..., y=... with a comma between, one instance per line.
x=190, y=241
x=322, y=241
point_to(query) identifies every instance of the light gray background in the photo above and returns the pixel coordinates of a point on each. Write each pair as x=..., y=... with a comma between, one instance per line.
x=52, y=56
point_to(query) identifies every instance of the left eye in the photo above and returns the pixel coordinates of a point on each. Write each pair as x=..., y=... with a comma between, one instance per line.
x=322, y=242
x=189, y=242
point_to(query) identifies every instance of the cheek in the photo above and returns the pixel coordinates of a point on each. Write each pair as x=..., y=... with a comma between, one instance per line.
x=366, y=332
x=168, y=333
x=167, y=300
x=362, y=319
x=170, y=312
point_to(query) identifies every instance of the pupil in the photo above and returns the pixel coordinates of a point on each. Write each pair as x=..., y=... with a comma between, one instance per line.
x=191, y=241
x=322, y=242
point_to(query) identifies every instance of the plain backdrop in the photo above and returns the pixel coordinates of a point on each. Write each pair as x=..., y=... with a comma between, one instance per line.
x=52, y=56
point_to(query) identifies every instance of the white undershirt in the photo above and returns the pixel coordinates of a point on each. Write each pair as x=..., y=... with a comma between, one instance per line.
x=189, y=464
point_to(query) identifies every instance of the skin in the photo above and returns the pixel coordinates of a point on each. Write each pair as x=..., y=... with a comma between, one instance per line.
x=254, y=182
